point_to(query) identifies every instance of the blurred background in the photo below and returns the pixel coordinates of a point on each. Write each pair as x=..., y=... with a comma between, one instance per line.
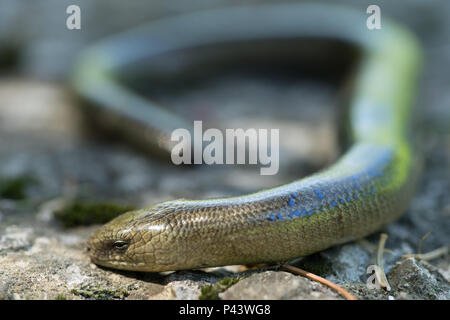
x=50, y=158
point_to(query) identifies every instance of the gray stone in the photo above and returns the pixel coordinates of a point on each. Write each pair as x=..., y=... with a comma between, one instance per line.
x=418, y=280
x=15, y=238
x=271, y=285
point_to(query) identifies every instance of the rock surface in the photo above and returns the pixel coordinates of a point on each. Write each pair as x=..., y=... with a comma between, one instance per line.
x=419, y=280
x=276, y=285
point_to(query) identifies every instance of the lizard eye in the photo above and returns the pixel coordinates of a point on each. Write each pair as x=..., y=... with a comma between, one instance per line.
x=120, y=245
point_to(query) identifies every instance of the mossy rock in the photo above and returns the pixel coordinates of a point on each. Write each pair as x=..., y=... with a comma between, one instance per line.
x=211, y=292
x=98, y=292
x=80, y=213
x=14, y=188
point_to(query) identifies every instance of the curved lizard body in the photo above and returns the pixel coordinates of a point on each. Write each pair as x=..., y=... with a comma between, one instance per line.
x=367, y=188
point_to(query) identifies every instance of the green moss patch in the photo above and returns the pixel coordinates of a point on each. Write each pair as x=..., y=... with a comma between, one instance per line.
x=14, y=188
x=80, y=213
x=98, y=292
x=211, y=292
x=9, y=56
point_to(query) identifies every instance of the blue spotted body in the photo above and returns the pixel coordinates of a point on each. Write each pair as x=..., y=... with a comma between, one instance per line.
x=338, y=194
